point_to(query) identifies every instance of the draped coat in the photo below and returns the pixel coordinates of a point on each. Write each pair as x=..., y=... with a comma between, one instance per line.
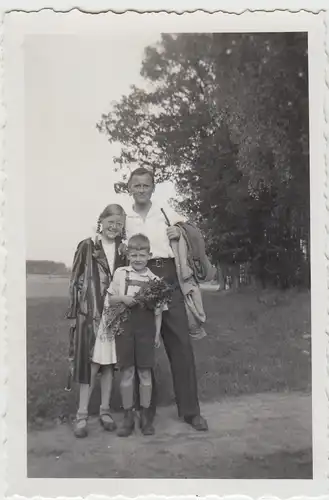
x=90, y=279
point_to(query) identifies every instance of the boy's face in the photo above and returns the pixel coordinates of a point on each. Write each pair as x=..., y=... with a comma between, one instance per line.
x=138, y=259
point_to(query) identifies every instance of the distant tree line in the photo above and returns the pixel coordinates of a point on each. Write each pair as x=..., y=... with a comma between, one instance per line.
x=45, y=267
x=225, y=116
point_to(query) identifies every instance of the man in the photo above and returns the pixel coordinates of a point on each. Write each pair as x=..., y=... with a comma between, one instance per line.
x=146, y=218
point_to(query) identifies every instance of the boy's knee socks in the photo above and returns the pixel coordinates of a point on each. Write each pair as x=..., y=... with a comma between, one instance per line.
x=145, y=394
x=127, y=394
x=145, y=387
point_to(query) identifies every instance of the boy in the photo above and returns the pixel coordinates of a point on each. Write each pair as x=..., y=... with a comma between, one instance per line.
x=141, y=333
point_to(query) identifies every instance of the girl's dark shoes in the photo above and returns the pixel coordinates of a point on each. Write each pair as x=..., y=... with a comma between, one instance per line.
x=80, y=428
x=128, y=424
x=107, y=422
x=146, y=422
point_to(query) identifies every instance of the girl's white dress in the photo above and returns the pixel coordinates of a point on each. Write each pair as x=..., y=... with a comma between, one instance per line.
x=104, y=350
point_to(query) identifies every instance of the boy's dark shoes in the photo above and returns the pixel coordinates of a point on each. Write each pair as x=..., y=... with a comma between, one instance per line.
x=80, y=428
x=107, y=422
x=128, y=424
x=146, y=422
x=197, y=422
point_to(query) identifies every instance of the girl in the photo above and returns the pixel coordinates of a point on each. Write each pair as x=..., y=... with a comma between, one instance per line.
x=94, y=264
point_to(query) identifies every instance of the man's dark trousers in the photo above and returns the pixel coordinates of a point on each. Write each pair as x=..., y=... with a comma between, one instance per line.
x=177, y=342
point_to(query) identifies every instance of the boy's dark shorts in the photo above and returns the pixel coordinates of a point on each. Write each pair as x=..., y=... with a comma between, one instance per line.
x=135, y=345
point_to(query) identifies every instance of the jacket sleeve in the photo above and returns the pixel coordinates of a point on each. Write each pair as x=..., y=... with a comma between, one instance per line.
x=75, y=280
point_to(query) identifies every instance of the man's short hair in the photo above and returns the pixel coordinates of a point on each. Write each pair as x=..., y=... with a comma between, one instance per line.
x=139, y=242
x=141, y=171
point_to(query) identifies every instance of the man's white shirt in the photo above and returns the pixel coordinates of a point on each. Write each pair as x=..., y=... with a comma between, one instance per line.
x=154, y=226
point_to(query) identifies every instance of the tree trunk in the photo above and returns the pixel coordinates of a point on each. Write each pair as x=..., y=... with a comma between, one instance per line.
x=235, y=274
x=220, y=277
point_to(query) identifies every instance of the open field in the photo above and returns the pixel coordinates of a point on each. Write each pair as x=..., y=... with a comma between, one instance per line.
x=46, y=285
x=251, y=347
x=256, y=344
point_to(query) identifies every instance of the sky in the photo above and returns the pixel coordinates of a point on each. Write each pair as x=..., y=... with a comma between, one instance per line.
x=69, y=82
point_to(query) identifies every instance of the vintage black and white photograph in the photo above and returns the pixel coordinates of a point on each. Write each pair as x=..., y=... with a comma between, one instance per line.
x=168, y=254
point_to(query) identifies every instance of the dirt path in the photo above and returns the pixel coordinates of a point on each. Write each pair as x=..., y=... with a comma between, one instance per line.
x=261, y=436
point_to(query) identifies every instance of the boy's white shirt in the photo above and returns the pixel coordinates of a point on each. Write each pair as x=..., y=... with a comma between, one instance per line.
x=118, y=283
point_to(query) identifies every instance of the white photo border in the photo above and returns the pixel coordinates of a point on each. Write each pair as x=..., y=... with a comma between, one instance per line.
x=12, y=301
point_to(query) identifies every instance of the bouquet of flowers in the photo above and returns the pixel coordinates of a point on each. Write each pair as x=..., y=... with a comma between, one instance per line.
x=154, y=294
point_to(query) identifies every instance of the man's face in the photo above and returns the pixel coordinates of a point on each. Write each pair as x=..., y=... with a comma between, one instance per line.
x=138, y=259
x=141, y=187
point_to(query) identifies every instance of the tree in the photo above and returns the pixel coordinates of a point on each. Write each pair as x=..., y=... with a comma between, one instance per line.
x=225, y=116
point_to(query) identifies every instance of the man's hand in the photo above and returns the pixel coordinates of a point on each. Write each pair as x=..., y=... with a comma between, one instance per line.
x=173, y=233
x=157, y=342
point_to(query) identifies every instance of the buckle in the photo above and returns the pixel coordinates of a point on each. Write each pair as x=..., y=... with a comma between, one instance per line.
x=158, y=263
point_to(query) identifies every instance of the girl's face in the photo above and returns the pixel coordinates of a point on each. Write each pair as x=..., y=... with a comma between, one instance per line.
x=112, y=226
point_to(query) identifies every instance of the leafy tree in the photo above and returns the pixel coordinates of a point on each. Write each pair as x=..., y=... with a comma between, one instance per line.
x=225, y=116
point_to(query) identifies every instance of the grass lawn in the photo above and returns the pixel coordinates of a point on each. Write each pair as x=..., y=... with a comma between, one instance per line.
x=252, y=346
